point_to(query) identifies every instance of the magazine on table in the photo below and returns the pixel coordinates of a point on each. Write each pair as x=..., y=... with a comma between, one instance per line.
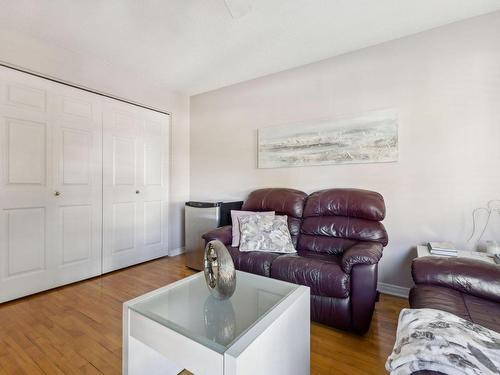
x=442, y=248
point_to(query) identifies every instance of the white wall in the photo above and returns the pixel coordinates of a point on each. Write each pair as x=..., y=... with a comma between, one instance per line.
x=445, y=84
x=49, y=59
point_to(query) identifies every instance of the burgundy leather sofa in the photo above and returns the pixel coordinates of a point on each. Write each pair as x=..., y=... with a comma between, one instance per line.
x=339, y=241
x=465, y=287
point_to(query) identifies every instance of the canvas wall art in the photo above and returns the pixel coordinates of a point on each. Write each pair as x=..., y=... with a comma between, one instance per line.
x=368, y=138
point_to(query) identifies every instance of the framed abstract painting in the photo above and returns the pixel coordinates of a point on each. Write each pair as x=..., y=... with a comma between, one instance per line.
x=367, y=138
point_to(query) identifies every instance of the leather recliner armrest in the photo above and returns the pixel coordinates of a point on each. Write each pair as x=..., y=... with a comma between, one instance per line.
x=470, y=276
x=361, y=253
x=223, y=234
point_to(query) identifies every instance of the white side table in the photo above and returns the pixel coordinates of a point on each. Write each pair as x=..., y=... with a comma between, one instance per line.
x=423, y=251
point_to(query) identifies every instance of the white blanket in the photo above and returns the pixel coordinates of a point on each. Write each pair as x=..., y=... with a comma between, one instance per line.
x=435, y=340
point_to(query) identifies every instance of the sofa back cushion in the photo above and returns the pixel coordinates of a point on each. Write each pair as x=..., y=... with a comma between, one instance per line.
x=336, y=219
x=288, y=202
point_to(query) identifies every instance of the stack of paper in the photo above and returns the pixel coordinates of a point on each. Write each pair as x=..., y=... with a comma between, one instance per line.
x=442, y=248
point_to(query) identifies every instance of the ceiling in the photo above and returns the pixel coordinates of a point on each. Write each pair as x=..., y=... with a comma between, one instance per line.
x=193, y=46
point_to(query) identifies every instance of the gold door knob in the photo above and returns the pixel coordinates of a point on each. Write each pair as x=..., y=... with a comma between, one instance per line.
x=57, y=193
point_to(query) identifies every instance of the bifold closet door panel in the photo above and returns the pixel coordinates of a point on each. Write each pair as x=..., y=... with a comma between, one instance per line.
x=77, y=184
x=135, y=185
x=25, y=187
x=50, y=182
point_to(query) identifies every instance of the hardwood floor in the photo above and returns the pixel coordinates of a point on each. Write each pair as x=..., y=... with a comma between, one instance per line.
x=76, y=329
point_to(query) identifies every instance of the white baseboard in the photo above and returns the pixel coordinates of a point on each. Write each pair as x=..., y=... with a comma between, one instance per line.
x=393, y=290
x=174, y=252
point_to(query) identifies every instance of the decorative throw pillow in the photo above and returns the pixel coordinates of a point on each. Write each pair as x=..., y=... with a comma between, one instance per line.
x=265, y=233
x=236, y=223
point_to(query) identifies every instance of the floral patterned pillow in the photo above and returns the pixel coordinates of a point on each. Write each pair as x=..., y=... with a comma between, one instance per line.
x=265, y=233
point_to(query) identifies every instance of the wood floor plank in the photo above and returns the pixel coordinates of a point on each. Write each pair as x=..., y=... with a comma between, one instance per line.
x=18, y=362
x=76, y=329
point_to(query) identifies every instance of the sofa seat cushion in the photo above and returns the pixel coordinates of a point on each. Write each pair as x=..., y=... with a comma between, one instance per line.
x=256, y=262
x=474, y=309
x=320, y=272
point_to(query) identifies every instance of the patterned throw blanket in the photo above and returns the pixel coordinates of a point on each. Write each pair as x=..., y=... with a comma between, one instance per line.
x=435, y=340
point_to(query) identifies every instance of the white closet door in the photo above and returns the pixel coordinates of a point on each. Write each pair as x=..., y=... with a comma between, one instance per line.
x=25, y=186
x=77, y=185
x=135, y=185
x=50, y=137
x=62, y=151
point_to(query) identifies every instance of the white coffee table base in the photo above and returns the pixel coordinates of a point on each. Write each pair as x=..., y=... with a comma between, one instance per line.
x=279, y=343
x=144, y=360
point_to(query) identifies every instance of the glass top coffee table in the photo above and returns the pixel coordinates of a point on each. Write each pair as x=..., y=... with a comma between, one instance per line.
x=263, y=328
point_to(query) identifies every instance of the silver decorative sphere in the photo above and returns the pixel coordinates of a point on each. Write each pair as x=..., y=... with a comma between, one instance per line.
x=220, y=274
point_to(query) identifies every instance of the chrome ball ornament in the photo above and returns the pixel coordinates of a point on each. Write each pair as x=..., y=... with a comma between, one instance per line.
x=220, y=274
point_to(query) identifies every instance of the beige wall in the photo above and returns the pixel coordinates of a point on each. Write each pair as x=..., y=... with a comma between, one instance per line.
x=445, y=83
x=46, y=58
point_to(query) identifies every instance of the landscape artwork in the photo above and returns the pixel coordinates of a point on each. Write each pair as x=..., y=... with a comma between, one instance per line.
x=368, y=138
